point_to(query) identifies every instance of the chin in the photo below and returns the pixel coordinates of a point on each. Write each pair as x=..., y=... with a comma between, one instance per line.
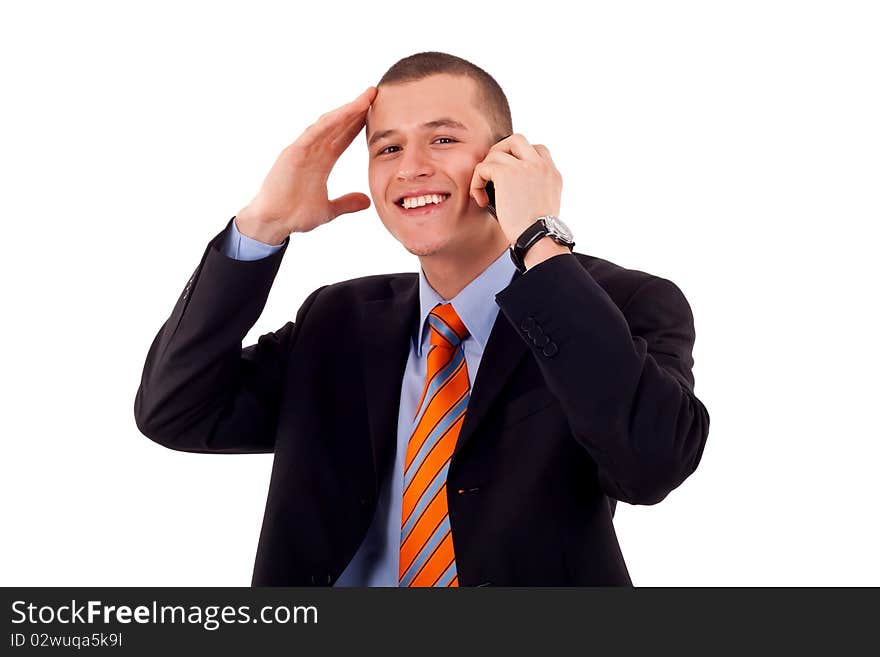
x=433, y=242
x=425, y=248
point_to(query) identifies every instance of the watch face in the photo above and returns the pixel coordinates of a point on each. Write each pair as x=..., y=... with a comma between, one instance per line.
x=556, y=226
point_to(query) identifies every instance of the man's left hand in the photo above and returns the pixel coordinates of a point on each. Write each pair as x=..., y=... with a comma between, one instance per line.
x=527, y=184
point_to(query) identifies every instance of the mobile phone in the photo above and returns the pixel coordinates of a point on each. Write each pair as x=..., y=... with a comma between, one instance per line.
x=490, y=192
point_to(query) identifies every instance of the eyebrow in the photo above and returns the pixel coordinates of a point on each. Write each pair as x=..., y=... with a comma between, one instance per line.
x=444, y=122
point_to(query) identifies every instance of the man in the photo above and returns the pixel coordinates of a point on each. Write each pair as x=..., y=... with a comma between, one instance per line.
x=469, y=425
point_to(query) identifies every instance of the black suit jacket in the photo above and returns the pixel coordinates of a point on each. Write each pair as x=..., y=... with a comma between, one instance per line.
x=584, y=396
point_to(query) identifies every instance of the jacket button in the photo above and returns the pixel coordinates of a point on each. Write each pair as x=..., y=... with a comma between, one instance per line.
x=528, y=324
x=543, y=340
x=550, y=350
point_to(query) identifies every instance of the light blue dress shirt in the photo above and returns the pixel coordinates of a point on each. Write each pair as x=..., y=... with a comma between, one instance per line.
x=377, y=560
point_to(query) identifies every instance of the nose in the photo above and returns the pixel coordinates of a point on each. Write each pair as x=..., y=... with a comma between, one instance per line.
x=414, y=162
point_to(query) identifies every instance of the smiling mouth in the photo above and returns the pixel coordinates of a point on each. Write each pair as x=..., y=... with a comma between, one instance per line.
x=427, y=208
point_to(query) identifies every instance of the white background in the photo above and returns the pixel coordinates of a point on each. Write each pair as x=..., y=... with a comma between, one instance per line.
x=730, y=147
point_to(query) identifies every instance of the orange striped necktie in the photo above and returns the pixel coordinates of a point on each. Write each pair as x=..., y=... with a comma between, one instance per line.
x=427, y=557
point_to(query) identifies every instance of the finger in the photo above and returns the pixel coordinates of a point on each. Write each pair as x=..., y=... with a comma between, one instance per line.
x=543, y=151
x=354, y=202
x=519, y=147
x=358, y=118
x=487, y=170
x=348, y=132
x=482, y=175
x=359, y=104
x=330, y=124
x=500, y=157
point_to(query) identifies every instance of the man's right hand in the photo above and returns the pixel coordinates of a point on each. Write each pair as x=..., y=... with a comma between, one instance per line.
x=293, y=197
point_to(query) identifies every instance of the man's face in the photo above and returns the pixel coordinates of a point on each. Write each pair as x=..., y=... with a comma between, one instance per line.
x=417, y=158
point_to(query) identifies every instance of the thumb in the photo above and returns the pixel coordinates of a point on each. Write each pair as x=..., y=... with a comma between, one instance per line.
x=354, y=202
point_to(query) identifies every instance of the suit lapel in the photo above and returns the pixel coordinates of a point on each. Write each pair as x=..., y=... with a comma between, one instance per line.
x=503, y=353
x=387, y=326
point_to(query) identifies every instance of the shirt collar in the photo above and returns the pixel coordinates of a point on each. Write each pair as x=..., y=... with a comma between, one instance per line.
x=471, y=304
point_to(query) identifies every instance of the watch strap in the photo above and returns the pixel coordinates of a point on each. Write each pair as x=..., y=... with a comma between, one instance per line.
x=525, y=241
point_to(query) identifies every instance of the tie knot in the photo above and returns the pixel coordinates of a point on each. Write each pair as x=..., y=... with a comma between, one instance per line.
x=447, y=329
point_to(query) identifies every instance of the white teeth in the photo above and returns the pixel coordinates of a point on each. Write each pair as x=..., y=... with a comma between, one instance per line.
x=419, y=201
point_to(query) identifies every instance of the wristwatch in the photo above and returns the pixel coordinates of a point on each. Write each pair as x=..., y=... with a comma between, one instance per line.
x=546, y=225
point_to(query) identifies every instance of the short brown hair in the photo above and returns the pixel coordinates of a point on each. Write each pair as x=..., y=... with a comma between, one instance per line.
x=490, y=97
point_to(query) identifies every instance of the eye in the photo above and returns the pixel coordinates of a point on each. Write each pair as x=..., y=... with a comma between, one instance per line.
x=384, y=150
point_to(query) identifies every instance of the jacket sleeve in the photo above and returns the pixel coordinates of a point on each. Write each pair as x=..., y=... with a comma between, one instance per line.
x=199, y=390
x=623, y=376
